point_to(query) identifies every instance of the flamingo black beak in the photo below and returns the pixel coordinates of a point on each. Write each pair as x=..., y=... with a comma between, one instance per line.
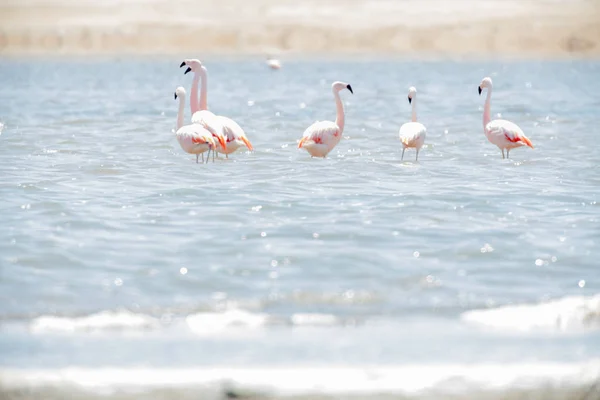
x=182, y=64
x=409, y=100
x=187, y=70
x=479, y=89
x=175, y=96
x=350, y=89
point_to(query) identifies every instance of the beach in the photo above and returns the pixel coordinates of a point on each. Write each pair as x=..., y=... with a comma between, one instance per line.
x=467, y=28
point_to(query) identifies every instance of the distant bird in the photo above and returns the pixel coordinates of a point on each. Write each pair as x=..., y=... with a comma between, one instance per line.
x=502, y=133
x=412, y=134
x=322, y=136
x=229, y=134
x=193, y=138
x=273, y=63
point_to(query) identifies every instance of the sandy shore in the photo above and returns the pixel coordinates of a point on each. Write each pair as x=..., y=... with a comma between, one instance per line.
x=522, y=28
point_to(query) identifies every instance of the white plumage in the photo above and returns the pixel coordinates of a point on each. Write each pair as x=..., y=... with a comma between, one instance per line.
x=412, y=134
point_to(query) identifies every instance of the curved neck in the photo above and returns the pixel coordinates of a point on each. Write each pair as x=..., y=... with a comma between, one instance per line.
x=339, y=108
x=203, y=104
x=486, y=109
x=194, y=93
x=414, y=109
x=180, y=112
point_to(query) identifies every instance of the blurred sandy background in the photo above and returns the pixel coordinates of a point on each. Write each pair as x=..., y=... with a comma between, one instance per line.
x=522, y=28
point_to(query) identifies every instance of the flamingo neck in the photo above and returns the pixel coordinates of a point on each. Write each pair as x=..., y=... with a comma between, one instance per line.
x=486, y=109
x=194, y=93
x=203, y=104
x=339, y=107
x=414, y=109
x=180, y=112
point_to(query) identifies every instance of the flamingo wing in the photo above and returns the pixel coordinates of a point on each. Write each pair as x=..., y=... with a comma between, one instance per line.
x=509, y=131
x=192, y=135
x=321, y=132
x=412, y=133
x=233, y=131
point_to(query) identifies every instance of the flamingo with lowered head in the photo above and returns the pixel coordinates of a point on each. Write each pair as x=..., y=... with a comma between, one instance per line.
x=502, y=133
x=412, y=134
x=232, y=135
x=322, y=136
x=193, y=138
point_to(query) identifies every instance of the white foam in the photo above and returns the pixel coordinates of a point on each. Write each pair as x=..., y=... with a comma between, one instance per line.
x=569, y=314
x=444, y=379
x=207, y=323
x=105, y=320
x=300, y=319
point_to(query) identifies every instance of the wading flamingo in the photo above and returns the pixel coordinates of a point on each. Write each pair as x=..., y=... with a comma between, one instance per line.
x=502, y=133
x=232, y=135
x=412, y=134
x=193, y=138
x=322, y=136
x=273, y=63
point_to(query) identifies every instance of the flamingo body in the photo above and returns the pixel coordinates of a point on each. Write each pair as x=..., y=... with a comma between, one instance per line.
x=234, y=135
x=506, y=135
x=412, y=135
x=195, y=139
x=320, y=138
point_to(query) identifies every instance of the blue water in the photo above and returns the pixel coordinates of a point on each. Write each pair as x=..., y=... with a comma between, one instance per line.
x=104, y=216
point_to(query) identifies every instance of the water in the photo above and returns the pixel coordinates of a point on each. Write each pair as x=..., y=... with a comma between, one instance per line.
x=130, y=270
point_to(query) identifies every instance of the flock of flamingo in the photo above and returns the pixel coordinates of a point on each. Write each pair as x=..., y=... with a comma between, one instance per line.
x=209, y=132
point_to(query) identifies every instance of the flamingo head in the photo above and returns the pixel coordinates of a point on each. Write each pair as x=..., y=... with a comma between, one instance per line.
x=193, y=64
x=486, y=83
x=412, y=93
x=337, y=86
x=179, y=92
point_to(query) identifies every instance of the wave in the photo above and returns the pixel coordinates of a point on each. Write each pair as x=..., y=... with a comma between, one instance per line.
x=569, y=314
x=457, y=381
x=105, y=320
x=203, y=323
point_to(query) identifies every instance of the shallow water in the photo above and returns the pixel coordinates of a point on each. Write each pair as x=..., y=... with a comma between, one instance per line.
x=127, y=265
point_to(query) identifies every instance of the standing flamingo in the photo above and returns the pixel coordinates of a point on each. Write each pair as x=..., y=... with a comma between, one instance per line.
x=224, y=128
x=194, y=138
x=412, y=134
x=502, y=133
x=322, y=136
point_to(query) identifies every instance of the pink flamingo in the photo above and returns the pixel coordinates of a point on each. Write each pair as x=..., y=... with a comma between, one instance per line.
x=412, y=134
x=232, y=135
x=502, y=133
x=322, y=136
x=193, y=138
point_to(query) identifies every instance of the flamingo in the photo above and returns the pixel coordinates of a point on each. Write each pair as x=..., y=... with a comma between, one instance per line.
x=273, y=63
x=502, y=133
x=322, y=136
x=229, y=134
x=193, y=138
x=412, y=134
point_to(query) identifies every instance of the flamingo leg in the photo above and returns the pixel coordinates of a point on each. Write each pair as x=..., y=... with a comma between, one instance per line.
x=502, y=153
x=227, y=156
x=404, y=148
x=197, y=155
x=507, y=151
x=214, y=151
x=417, y=159
x=202, y=157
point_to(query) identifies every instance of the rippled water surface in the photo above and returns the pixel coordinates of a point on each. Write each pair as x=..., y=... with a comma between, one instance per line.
x=119, y=253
